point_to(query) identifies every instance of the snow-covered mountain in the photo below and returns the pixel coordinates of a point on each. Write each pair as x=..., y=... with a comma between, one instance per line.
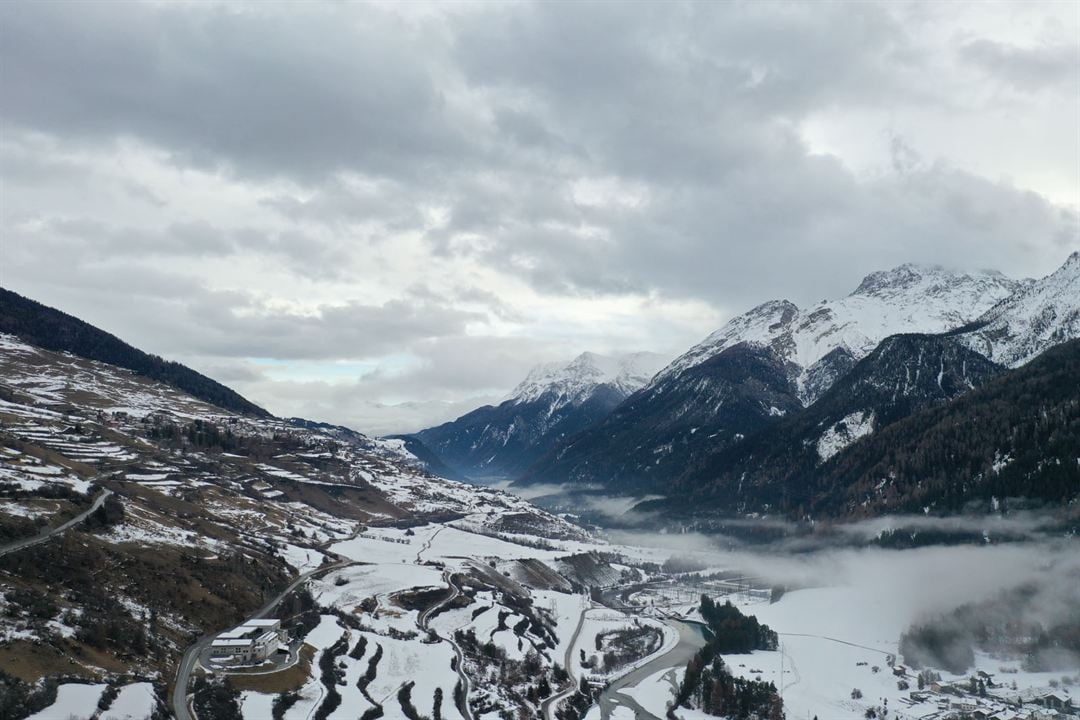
x=762, y=365
x=1040, y=315
x=907, y=299
x=574, y=381
x=555, y=401
x=903, y=375
x=921, y=425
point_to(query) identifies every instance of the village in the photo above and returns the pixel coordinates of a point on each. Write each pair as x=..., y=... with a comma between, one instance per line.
x=978, y=697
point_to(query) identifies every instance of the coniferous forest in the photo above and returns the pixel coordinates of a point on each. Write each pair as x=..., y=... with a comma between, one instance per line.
x=710, y=686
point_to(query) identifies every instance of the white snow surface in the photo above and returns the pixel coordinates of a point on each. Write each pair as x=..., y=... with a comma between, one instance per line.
x=74, y=701
x=1041, y=315
x=256, y=704
x=574, y=381
x=841, y=434
x=907, y=299
x=135, y=702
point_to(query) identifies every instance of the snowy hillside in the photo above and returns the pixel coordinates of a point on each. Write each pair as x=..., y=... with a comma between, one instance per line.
x=192, y=517
x=907, y=299
x=137, y=523
x=1043, y=314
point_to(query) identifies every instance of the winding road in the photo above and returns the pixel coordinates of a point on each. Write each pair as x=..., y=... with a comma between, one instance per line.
x=422, y=623
x=549, y=706
x=49, y=533
x=179, y=700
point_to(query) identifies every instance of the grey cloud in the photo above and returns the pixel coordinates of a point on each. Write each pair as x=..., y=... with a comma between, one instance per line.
x=1026, y=69
x=340, y=203
x=104, y=240
x=90, y=240
x=238, y=87
x=178, y=315
x=342, y=125
x=351, y=405
x=680, y=92
x=348, y=331
x=28, y=163
x=804, y=228
x=450, y=376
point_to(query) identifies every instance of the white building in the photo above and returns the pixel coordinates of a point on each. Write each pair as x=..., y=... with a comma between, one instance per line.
x=254, y=641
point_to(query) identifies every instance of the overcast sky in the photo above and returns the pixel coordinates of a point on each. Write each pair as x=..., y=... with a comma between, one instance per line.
x=335, y=208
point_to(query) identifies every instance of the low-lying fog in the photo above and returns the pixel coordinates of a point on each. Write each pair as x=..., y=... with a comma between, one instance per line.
x=901, y=587
x=900, y=570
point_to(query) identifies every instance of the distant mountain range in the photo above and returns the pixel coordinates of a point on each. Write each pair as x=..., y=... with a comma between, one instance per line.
x=552, y=404
x=709, y=398
x=922, y=390
x=782, y=395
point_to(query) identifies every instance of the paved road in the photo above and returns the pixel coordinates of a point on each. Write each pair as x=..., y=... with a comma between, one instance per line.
x=179, y=699
x=422, y=622
x=690, y=641
x=427, y=544
x=549, y=706
x=48, y=533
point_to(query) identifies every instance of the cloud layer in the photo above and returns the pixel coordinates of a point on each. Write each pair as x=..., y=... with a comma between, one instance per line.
x=341, y=207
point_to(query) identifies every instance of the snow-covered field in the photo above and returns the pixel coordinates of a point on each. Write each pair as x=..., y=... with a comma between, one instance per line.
x=74, y=701
x=135, y=702
x=832, y=639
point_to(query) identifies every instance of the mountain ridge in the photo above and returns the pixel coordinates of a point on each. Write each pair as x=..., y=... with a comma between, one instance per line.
x=902, y=376
x=553, y=402
x=814, y=347
x=56, y=330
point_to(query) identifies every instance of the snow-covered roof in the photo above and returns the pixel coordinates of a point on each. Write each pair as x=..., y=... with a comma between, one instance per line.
x=233, y=642
x=266, y=637
x=234, y=633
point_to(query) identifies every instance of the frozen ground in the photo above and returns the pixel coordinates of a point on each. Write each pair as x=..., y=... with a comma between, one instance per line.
x=135, y=702
x=73, y=702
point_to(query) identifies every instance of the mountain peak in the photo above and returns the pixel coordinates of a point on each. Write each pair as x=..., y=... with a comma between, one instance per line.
x=555, y=401
x=910, y=298
x=576, y=379
x=923, y=277
x=902, y=276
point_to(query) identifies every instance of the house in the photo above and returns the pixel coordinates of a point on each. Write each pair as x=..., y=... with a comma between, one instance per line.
x=254, y=641
x=1044, y=714
x=1056, y=701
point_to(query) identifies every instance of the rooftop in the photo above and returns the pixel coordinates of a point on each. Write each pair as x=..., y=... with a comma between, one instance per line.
x=229, y=643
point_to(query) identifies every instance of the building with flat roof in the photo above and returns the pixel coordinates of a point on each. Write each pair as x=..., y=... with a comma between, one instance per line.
x=254, y=641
